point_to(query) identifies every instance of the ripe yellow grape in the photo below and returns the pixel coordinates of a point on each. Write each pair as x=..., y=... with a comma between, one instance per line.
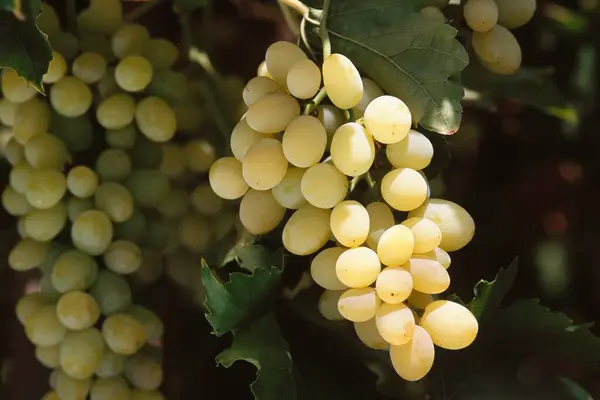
x=226, y=178
x=352, y=149
x=205, y=201
x=272, y=113
x=43, y=328
x=89, y=67
x=194, y=233
x=114, y=200
x=481, y=15
x=513, y=14
x=350, y=223
x=123, y=334
x=199, y=155
x=81, y=352
x=427, y=234
x=92, y=232
x=456, y=224
x=8, y=111
x=161, y=53
x=155, y=119
x=116, y=111
x=70, y=97
x=27, y=254
x=129, y=39
x=280, y=57
x=304, y=79
x=304, y=141
x=451, y=325
x=371, y=91
x=71, y=388
x=262, y=70
x=264, y=165
x=368, y=334
x=395, y=323
x=32, y=118
x=437, y=254
x=82, y=181
x=380, y=220
x=288, y=192
x=242, y=138
x=359, y=305
x=133, y=73
x=324, y=186
x=114, y=388
x=342, y=81
x=45, y=188
x=48, y=356
x=394, y=285
x=16, y=204
x=173, y=161
x=46, y=151
x=73, y=270
x=148, y=187
x=259, y=212
x=77, y=310
x=415, y=152
x=14, y=88
x=144, y=372
x=56, y=69
x=404, y=189
x=307, y=230
x=388, y=119
x=413, y=360
x=331, y=118
x=258, y=87
x=45, y=225
x=358, y=267
x=395, y=246
x=498, y=50
x=428, y=275
x=328, y=305
x=322, y=269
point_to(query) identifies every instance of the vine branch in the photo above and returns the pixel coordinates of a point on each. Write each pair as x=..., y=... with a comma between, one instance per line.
x=298, y=6
x=323, y=34
x=308, y=109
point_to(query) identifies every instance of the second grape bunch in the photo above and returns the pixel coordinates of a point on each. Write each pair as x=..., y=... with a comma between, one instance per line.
x=381, y=263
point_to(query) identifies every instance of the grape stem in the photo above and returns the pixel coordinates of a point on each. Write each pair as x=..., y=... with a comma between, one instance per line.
x=305, y=39
x=369, y=180
x=349, y=114
x=309, y=108
x=290, y=19
x=297, y=5
x=323, y=34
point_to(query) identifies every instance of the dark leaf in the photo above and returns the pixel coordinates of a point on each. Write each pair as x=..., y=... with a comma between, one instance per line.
x=489, y=295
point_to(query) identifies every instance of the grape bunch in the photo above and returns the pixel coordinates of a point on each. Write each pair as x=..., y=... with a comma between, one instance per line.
x=381, y=262
x=491, y=20
x=106, y=196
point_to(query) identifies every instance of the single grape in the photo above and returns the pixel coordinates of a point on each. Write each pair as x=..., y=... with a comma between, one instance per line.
x=112, y=292
x=129, y=39
x=89, y=67
x=199, y=155
x=161, y=53
x=116, y=111
x=133, y=229
x=498, y=50
x=154, y=327
x=93, y=42
x=111, y=365
x=259, y=212
x=82, y=181
x=419, y=300
x=103, y=17
x=322, y=269
x=92, y=232
x=324, y=186
x=19, y=176
x=304, y=141
x=426, y=233
x=226, y=178
x=148, y=187
x=45, y=225
x=43, y=328
x=358, y=267
x=388, y=119
x=81, y=352
x=342, y=81
x=115, y=201
x=413, y=360
x=451, y=325
x=288, y=192
x=404, y=189
x=124, y=138
x=395, y=323
x=76, y=206
x=48, y=356
x=133, y=73
x=56, y=69
x=328, y=305
x=71, y=388
x=14, y=203
x=46, y=151
x=32, y=119
x=307, y=230
x=73, y=270
x=259, y=87
x=144, y=372
x=481, y=15
x=280, y=58
x=380, y=220
x=428, y=275
x=27, y=305
x=513, y=14
x=371, y=91
x=350, y=223
x=352, y=149
x=27, y=254
x=155, y=119
x=114, y=388
x=77, y=310
x=359, y=305
x=48, y=20
x=70, y=97
x=264, y=165
x=205, y=201
x=123, y=334
x=415, y=151
x=368, y=334
x=123, y=257
x=304, y=79
x=394, y=285
x=272, y=113
x=66, y=43
x=395, y=246
x=438, y=255
x=8, y=112
x=332, y=118
x=14, y=88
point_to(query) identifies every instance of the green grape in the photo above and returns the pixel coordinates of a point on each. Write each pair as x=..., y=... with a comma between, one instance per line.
x=77, y=133
x=133, y=229
x=112, y=292
x=102, y=16
x=161, y=53
x=82, y=181
x=93, y=42
x=48, y=20
x=27, y=254
x=81, y=352
x=152, y=323
x=280, y=57
x=175, y=204
x=194, y=233
x=89, y=67
x=46, y=151
x=129, y=39
x=113, y=165
x=188, y=115
x=21, y=228
x=148, y=187
x=199, y=155
x=433, y=13
x=371, y=91
x=14, y=152
x=73, y=270
x=76, y=206
x=205, y=201
x=498, y=50
x=92, y=232
x=342, y=81
x=45, y=225
x=138, y=394
x=77, y=311
x=123, y=334
x=48, y=356
x=481, y=15
x=65, y=43
x=513, y=14
x=69, y=388
x=31, y=119
x=133, y=73
x=111, y=365
x=56, y=69
x=155, y=119
x=48, y=291
x=304, y=141
x=70, y=97
x=123, y=257
x=169, y=85
x=144, y=372
x=162, y=236
x=8, y=111
x=43, y=328
x=54, y=251
x=15, y=203
x=146, y=154
x=107, y=86
x=28, y=304
x=116, y=111
x=53, y=377
x=124, y=138
x=14, y=88
x=114, y=200
x=114, y=388
x=304, y=79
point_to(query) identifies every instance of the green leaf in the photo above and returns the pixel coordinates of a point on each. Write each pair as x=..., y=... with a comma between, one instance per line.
x=190, y=5
x=410, y=56
x=23, y=47
x=489, y=295
x=12, y=6
x=231, y=303
x=257, y=256
x=262, y=345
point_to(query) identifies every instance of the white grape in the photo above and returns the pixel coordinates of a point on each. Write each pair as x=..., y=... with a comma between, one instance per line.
x=428, y=275
x=404, y=189
x=394, y=285
x=304, y=141
x=304, y=79
x=155, y=119
x=288, y=192
x=199, y=155
x=415, y=151
x=82, y=181
x=368, y=334
x=307, y=230
x=359, y=305
x=498, y=50
x=513, y=14
x=350, y=223
x=129, y=39
x=388, y=119
x=259, y=87
x=358, y=267
x=272, y=113
x=56, y=69
x=116, y=111
x=413, y=360
x=427, y=234
x=133, y=73
x=259, y=212
x=371, y=91
x=342, y=81
x=395, y=246
x=226, y=178
x=45, y=188
x=161, y=53
x=264, y=164
x=380, y=220
x=451, y=325
x=395, y=323
x=70, y=97
x=32, y=118
x=328, y=305
x=481, y=15
x=280, y=57
x=324, y=186
x=352, y=149
x=242, y=138
x=322, y=269
x=14, y=88
x=89, y=67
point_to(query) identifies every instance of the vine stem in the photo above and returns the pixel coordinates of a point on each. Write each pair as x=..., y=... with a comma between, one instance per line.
x=323, y=34
x=315, y=101
x=290, y=19
x=297, y=5
x=369, y=180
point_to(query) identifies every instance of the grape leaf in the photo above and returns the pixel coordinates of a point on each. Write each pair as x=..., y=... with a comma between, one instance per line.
x=14, y=7
x=256, y=256
x=489, y=295
x=410, y=56
x=262, y=345
x=231, y=303
x=23, y=47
